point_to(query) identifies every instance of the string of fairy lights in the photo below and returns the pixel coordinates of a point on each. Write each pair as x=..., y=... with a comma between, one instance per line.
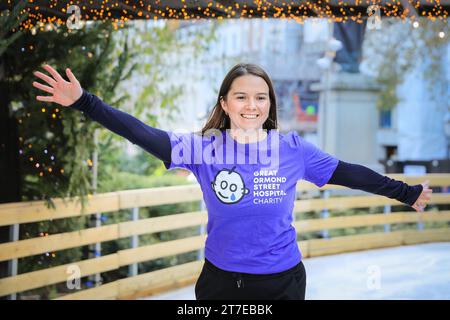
x=45, y=162
x=120, y=12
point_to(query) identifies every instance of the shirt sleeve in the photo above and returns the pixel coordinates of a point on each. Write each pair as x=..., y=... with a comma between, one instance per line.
x=319, y=165
x=153, y=140
x=356, y=176
x=186, y=151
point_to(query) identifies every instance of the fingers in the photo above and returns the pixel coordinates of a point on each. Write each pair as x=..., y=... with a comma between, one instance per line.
x=422, y=200
x=426, y=192
x=53, y=72
x=45, y=98
x=425, y=195
x=43, y=87
x=71, y=76
x=426, y=184
x=46, y=78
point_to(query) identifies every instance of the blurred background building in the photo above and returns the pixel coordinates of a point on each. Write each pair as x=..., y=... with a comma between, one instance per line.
x=413, y=137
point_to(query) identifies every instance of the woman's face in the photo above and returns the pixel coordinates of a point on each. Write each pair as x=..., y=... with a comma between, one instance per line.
x=247, y=102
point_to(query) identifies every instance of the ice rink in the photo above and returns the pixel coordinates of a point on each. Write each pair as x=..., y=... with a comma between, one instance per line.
x=407, y=272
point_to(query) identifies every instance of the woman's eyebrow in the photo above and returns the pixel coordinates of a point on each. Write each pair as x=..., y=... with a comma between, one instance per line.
x=263, y=93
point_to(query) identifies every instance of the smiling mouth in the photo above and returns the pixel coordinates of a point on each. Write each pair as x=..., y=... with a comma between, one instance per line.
x=249, y=116
x=222, y=195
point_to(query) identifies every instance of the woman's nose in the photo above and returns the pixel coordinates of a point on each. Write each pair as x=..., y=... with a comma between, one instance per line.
x=251, y=104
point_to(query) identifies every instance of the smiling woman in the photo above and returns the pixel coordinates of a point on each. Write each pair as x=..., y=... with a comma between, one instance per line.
x=246, y=104
x=251, y=250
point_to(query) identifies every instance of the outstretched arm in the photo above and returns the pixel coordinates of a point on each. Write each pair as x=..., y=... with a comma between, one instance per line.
x=356, y=176
x=153, y=140
x=70, y=94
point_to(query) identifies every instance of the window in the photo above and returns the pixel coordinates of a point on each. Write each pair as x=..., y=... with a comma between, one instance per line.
x=385, y=119
x=390, y=152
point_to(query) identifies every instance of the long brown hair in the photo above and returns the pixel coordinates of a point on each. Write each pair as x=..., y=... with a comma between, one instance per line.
x=219, y=120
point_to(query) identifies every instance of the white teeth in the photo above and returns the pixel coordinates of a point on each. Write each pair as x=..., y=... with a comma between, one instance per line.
x=249, y=116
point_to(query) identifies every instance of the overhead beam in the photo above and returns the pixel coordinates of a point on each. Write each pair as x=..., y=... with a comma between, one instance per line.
x=125, y=10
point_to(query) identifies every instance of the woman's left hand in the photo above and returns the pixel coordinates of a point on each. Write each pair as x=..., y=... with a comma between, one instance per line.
x=424, y=197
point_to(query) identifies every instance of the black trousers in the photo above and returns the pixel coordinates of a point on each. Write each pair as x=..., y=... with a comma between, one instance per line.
x=217, y=284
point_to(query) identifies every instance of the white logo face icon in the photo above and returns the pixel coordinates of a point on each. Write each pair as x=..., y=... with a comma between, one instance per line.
x=229, y=186
x=374, y=19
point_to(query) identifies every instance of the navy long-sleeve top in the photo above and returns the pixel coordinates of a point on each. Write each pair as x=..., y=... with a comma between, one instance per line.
x=157, y=142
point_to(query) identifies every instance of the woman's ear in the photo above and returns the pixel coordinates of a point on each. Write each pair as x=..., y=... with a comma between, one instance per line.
x=223, y=104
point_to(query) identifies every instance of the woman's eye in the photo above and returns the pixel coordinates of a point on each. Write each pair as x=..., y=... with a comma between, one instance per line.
x=262, y=98
x=240, y=98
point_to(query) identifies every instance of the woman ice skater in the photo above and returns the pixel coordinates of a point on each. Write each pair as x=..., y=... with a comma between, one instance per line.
x=248, y=172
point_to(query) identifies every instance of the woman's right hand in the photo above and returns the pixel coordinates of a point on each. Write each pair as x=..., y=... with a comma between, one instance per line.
x=63, y=92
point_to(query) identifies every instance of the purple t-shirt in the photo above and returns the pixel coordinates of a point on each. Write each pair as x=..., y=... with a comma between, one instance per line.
x=249, y=192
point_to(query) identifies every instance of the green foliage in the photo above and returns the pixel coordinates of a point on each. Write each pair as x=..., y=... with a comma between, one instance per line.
x=398, y=47
x=389, y=79
x=126, y=181
x=11, y=21
x=57, y=144
x=159, y=45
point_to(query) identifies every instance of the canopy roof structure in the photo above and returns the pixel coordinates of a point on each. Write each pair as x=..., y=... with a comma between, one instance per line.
x=125, y=10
